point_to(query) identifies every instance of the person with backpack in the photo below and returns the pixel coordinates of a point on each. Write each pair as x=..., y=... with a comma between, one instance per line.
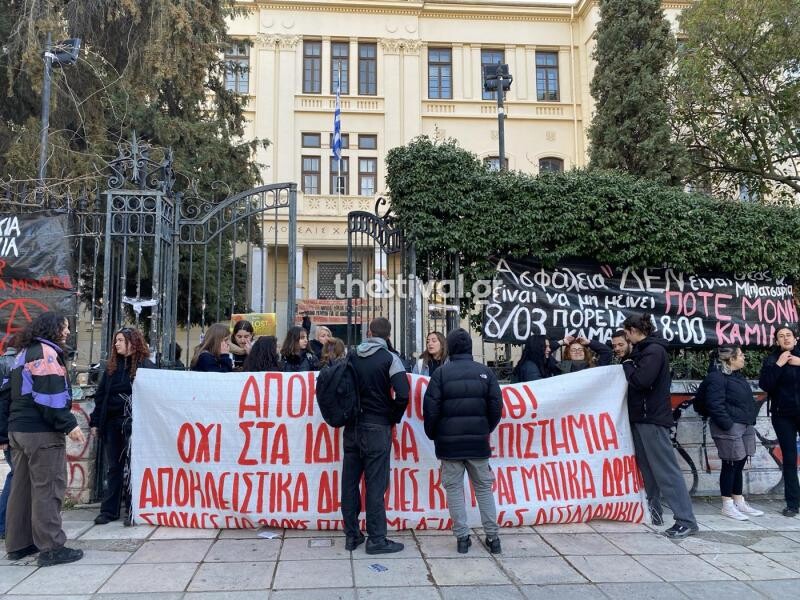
x=728, y=401
x=780, y=378
x=383, y=396
x=462, y=407
x=650, y=414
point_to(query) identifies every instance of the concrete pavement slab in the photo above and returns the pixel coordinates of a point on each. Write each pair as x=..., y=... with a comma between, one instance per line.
x=611, y=569
x=720, y=523
x=585, y=591
x=498, y=592
x=778, y=522
x=417, y=593
x=183, y=533
x=104, y=557
x=251, y=595
x=390, y=573
x=65, y=579
x=306, y=549
x=253, y=550
x=467, y=571
x=166, y=577
x=564, y=528
x=541, y=570
x=792, y=535
x=433, y=546
x=243, y=534
x=776, y=590
x=790, y=560
x=117, y=531
x=617, y=527
x=224, y=577
x=715, y=543
x=747, y=567
x=50, y=597
x=410, y=550
x=74, y=529
x=525, y=545
x=730, y=590
x=644, y=543
x=148, y=596
x=294, y=533
x=293, y=574
x=775, y=543
x=580, y=543
x=682, y=568
x=327, y=594
x=185, y=551
x=12, y=575
x=642, y=591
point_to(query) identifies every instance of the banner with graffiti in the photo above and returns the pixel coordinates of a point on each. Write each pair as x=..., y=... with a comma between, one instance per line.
x=244, y=450
x=586, y=299
x=35, y=270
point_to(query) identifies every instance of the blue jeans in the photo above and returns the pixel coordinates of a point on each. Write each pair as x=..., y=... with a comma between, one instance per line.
x=6, y=491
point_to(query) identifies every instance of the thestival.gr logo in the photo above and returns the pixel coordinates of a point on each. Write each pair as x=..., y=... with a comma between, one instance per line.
x=9, y=232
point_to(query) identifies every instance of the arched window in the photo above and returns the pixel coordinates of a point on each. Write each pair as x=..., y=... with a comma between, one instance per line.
x=551, y=164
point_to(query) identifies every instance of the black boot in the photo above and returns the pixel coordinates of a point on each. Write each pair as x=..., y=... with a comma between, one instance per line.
x=385, y=547
x=463, y=544
x=23, y=552
x=59, y=556
x=351, y=543
x=493, y=544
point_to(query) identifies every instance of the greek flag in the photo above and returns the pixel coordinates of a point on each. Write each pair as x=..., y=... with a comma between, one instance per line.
x=337, y=124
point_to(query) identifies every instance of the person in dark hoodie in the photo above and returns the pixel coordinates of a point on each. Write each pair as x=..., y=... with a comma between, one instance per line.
x=650, y=413
x=536, y=362
x=462, y=407
x=109, y=418
x=780, y=378
x=368, y=442
x=40, y=415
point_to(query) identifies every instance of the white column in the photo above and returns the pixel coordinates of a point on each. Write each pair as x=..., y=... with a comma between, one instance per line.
x=265, y=101
x=393, y=99
x=353, y=61
x=467, y=74
x=520, y=73
x=530, y=67
x=285, y=140
x=258, y=278
x=476, y=73
x=459, y=73
x=511, y=61
x=412, y=82
x=326, y=66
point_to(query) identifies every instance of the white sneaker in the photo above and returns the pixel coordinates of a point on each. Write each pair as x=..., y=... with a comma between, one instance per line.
x=729, y=510
x=743, y=507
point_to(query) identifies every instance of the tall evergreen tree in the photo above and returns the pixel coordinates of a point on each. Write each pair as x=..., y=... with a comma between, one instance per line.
x=630, y=129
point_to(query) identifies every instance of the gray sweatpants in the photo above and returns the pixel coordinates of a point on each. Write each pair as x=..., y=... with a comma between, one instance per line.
x=662, y=477
x=40, y=481
x=482, y=478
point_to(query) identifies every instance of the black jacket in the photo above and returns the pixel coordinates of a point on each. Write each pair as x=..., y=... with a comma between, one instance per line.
x=316, y=347
x=729, y=399
x=300, y=362
x=782, y=384
x=208, y=363
x=649, y=381
x=463, y=403
x=379, y=372
x=110, y=395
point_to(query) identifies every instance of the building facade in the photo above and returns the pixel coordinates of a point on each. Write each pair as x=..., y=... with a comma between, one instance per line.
x=405, y=68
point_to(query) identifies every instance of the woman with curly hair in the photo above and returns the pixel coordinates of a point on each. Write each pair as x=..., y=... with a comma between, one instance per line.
x=108, y=418
x=213, y=354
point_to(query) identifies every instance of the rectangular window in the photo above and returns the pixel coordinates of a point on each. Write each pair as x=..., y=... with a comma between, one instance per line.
x=312, y=67
x=367, y=142
x=340, y=65
x=343, y=182
x=550, y=164
x=327, y=275
x=491, y=57
x=311, y=174
x=237, y=68
x=547, y=76
x=310, y=140
x=345, y=141
x=368, y=69
x=367, y=176
x=440, y=73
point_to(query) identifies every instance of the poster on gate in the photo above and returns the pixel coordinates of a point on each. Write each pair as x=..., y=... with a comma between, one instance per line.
x=244, y=450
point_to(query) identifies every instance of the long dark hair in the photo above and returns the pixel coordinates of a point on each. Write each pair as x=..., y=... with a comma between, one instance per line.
x=47, y=326
x=534, y=352
x=212, y=341
x=263, y=355
x=246, y=325
x=427, y=356
x=136, y=344
x=291, y=344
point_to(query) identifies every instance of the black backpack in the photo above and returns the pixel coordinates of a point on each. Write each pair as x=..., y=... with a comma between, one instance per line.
x=699, y=402
x=337, y=393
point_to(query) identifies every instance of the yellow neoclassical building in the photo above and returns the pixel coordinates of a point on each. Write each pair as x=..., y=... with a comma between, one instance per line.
x=406, y=67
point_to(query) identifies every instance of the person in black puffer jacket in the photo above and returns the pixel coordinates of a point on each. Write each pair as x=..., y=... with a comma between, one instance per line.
x=780, y=378
x=295, y=355
x=650, y=413
x=730, y=403
x=462, y=406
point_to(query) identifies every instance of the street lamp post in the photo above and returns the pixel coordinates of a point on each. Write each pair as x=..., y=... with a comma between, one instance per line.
x=65, y=53
x=496, y=78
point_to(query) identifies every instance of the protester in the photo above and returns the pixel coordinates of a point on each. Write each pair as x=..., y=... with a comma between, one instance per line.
x=650, y=413
x=780, y=378
x=462, y=407
x=263, y=355
x=730, y=403
x=241, y=342
x=6, y=365
x=620, y=346
x=583, y=354
x=212, y=355
x=434, y=355
x=368, y=442
x=536, y=362
x=40, y=414
x=332, y=351
x=109, y=418
x=317, y=345
x=295, y=355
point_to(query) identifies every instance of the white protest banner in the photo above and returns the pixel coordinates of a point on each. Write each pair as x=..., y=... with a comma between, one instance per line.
x=242, y=450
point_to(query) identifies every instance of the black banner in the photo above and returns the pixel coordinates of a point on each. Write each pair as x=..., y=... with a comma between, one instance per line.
x=35, y=270
x=583, y=298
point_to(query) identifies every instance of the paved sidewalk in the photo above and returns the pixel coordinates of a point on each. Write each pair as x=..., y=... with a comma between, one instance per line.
x=727, y=559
